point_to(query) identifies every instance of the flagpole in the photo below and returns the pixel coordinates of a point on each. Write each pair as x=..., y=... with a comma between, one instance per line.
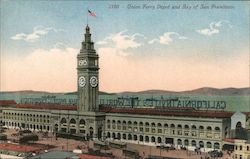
x=87, y=16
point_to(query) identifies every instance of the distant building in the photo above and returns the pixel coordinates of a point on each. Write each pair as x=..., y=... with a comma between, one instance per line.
x=241, y=149
x=150, y=126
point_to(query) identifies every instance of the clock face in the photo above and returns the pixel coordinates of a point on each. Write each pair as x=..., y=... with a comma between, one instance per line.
x=82, y=81
x=93, y=81
x=83, y=62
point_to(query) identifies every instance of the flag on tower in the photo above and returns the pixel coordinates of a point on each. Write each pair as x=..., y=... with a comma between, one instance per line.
x=91, y=13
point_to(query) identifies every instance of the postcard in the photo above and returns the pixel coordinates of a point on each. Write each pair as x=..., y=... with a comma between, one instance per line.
x=125, y=79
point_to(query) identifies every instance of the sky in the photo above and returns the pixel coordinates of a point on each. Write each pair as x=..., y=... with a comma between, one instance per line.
x=142, y=45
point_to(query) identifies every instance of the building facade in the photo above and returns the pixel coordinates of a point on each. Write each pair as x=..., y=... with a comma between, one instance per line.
x=192, y=129
x=241, y=149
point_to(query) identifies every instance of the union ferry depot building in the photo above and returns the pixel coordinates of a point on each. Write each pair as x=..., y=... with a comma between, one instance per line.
x=207, y=129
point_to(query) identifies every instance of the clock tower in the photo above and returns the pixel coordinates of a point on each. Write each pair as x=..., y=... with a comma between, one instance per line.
x=87, y=73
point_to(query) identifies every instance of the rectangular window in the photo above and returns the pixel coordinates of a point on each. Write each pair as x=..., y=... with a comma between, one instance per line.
x=160, y=131
x=166, y=131
x=179, y=132
x=82, y=131
x=209, y=135
x=173, y=132
x=147, y=130
x=194, y=133
x=153, y=130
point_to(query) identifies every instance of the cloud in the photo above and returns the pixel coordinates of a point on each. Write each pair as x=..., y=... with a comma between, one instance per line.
x=119, y=74
x=42, y=69
x=37, y=33
x=167, y=38
x=214, y=28
x=55, y=70
x=121, y=42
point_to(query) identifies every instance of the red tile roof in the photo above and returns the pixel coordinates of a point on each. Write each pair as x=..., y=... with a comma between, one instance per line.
x=47, y=106
x=86, y=156
x=247, y=113
x=18, y=148
x=231, y=140
x=7, y=102
x=168, y=112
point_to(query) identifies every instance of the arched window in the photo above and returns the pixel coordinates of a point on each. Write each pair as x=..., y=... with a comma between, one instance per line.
x=238, y=125
x=159, y=140
x=179, y=142
x=119, y=125
x=141, y=124
x=209, y=145
x=124, y=125
x=147, y=124
x=193, y=127
x=108, y=135
x=216, y=145
x=209, y=128
x=179, y=126
x=72, y=121
x=124, y=136
x=129, y=137
x=152, y=139
x=146, y=139
x=172, y=126
x=63, y=121
x=153, y=124
x=201, y=127
x=165, y=125
x=118, y=136
x=135, y=137
x=113, y=124
x=108, y=121
x=141, y=138
x=113, y=135
x=186, y=142
x=217, y=128
x=201, y=144
x=82, y=122
x=193, y=143
x=159, y=125
x=135, y=123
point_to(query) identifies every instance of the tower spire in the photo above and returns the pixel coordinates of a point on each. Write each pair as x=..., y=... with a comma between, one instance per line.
x=87, y=34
